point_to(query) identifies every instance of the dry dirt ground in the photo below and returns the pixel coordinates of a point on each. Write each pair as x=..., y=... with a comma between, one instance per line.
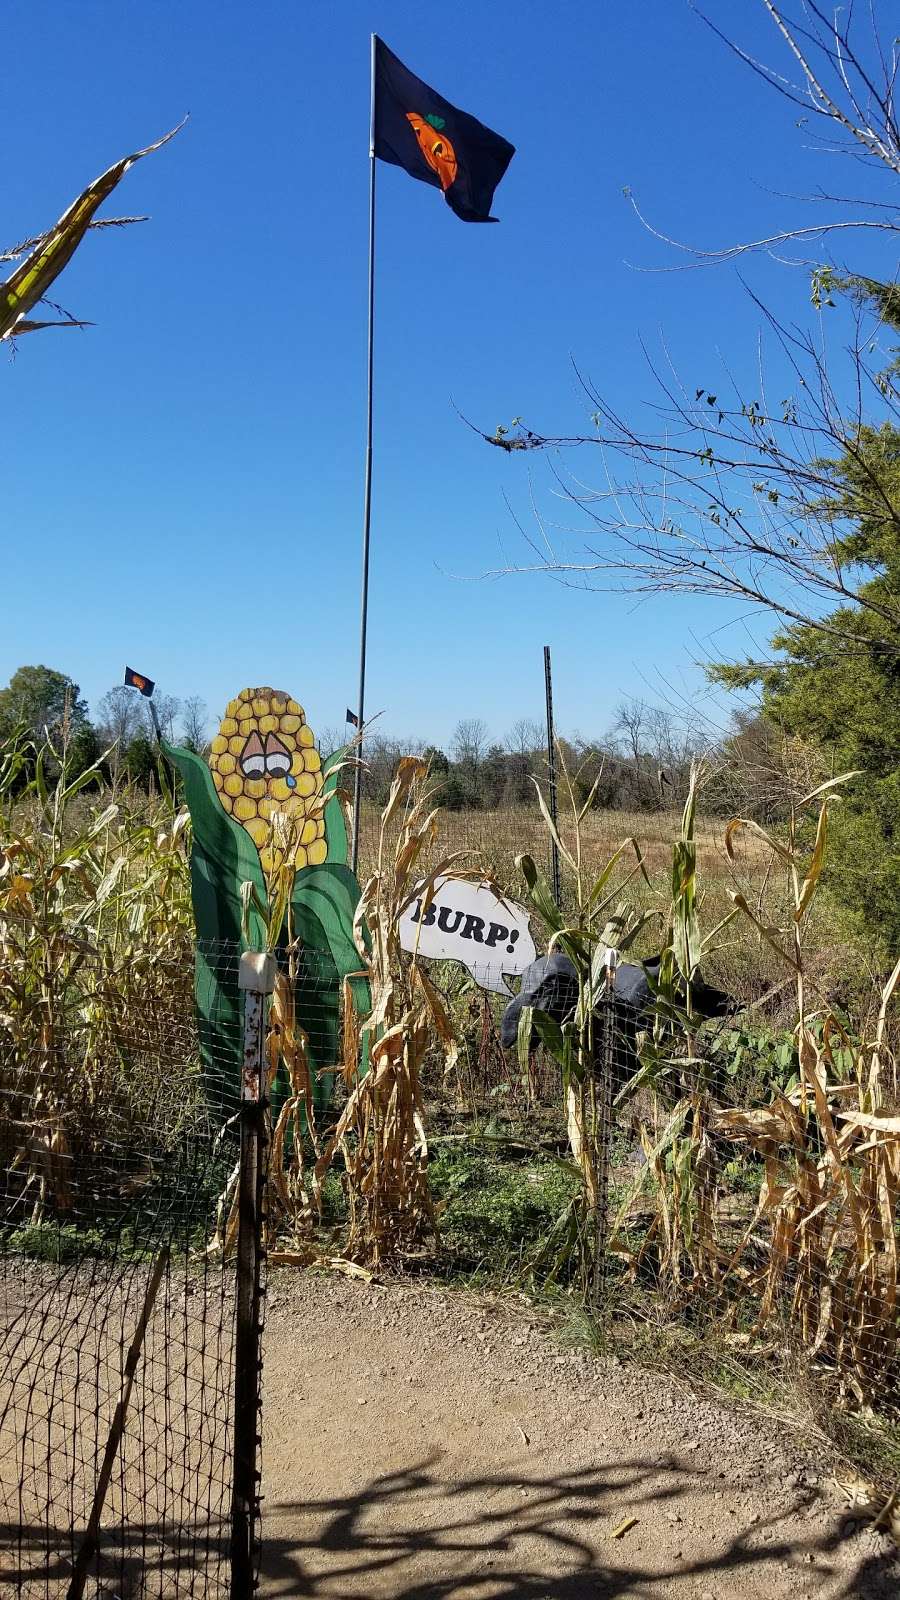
x=427, y=1446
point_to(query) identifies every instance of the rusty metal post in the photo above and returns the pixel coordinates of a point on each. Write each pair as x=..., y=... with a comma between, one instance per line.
x=257, y=980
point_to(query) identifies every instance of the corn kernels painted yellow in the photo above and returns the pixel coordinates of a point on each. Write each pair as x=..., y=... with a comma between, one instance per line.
x=268, y=775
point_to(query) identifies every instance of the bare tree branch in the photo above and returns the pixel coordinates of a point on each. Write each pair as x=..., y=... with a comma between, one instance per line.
x=859, y=108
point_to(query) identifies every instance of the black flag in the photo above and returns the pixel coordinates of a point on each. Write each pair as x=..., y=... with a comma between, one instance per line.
x=417, y=129
x=352, y=717
x=136, y=680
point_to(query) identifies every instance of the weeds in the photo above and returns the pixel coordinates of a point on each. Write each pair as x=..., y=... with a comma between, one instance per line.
x=496, y=1210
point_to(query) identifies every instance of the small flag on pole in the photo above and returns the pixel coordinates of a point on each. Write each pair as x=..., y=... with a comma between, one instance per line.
x=420, y=131
x=352, y=718
x=136, y=680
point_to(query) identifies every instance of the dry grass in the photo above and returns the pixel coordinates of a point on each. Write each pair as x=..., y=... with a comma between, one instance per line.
x=500, y=836
x=740, y=962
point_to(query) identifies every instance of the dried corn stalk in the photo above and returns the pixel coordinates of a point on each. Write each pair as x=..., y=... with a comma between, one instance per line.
x=822, y=1244
x=819, y=1254
x=381, y=1134
x=293, y=1196
x=94, y=942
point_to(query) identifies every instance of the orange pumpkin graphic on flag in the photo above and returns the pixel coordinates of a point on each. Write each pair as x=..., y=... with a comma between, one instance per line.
x=435, y=146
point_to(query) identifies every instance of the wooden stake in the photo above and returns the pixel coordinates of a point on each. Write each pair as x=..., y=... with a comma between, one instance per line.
x=91, y=1541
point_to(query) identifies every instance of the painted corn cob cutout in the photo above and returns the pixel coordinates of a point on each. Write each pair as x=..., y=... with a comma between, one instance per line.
x=264, y=762
x=265, y=791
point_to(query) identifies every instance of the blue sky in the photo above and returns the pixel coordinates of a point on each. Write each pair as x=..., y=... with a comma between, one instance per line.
x=182, y=483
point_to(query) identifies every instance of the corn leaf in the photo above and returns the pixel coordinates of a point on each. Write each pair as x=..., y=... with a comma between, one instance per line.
x=30, y=281
x=815, y=866
x=606, y=873
x=737, y=823
x=869, y=1119
x=552, y=828
x=770, y=934
x=832, y=783
x=523, y=1040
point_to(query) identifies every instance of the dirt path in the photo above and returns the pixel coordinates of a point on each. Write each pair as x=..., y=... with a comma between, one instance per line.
x=425, y=1447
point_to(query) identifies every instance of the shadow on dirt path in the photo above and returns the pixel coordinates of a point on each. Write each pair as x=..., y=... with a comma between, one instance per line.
x=424, y=1446
x=415, y=1536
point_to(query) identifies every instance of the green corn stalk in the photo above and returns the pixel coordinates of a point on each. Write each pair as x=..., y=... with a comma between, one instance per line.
x=598, y=922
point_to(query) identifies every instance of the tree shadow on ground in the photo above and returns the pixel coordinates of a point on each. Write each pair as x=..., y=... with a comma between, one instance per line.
x=416, y=1535
x=152, y=1558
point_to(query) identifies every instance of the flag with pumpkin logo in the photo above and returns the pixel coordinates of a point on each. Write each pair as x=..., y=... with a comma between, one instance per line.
x=417, y=129
x=136, y=680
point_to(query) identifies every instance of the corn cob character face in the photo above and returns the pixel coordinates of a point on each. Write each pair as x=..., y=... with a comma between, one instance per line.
x=268, y=776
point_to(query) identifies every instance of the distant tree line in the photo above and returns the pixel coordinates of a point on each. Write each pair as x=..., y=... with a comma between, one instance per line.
x=642, y=763
x=41, y=703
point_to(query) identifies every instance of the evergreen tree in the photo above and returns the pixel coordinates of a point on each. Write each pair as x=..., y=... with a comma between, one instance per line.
x=837, y=685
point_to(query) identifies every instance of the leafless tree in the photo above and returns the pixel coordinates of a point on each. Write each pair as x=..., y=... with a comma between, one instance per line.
x=627, y=735
x=332, y=738
x=195, y=723
x=732, y=493
x=525, y=738
x=168, y=707
x=122, y=715
x=119, y=718
x=758, y=771
x=470, y=742
x=646, y=736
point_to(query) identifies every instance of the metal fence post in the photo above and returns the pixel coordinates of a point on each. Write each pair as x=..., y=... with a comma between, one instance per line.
x=551, y=764
x=604, y=1056
x=257, y=980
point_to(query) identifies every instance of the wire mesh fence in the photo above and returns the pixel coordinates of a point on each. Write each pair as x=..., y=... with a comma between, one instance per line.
x=498, y=837
x=756, y=1202
x=137, y=1202
x=765, y=1213
x=116, y=1306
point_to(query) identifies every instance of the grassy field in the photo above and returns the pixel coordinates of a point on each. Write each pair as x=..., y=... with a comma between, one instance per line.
x=742, y=961
x=498, y=837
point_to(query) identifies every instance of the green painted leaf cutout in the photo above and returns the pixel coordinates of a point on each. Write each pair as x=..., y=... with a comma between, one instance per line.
x=323, y=906
x=335, y=825
x=223, y=856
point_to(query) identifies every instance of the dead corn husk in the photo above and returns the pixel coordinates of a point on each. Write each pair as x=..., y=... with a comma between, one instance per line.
x=381, y=1131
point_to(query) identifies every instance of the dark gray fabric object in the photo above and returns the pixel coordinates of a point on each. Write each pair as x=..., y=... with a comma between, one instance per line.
x=550, y=984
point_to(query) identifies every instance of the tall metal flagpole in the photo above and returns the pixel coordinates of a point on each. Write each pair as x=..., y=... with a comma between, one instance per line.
x=367, y=503
x=551, y=763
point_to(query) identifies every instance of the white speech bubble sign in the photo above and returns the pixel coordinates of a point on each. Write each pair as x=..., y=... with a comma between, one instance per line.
x=466, y=922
